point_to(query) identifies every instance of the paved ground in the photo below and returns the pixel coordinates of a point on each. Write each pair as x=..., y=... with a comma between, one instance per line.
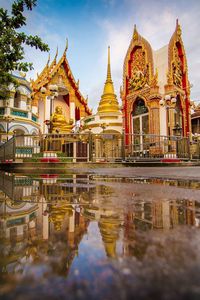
x=190, y=173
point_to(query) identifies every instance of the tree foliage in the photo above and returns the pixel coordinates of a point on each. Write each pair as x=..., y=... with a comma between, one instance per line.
x=12, y=42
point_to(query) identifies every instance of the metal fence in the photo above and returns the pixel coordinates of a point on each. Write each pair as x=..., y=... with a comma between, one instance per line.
x=8, y=150
x=104, y=147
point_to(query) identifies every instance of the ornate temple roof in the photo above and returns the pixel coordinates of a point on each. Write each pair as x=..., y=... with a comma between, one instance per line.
x=50, y=70
x=108, y=102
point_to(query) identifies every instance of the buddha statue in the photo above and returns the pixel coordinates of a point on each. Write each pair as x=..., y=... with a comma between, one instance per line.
x=59, y=122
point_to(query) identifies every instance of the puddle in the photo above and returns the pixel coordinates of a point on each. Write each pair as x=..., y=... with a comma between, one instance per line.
x=78, y=237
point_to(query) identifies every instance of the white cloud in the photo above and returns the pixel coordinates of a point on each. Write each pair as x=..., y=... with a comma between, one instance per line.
x=156, y=21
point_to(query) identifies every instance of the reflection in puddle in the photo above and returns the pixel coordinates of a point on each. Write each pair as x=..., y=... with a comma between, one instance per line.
x=77, y=231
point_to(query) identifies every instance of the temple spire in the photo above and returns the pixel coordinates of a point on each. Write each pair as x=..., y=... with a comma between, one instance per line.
x=108, y=102
x=108, y=67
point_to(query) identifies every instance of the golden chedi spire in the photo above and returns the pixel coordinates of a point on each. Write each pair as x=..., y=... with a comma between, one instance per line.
x=108, y=102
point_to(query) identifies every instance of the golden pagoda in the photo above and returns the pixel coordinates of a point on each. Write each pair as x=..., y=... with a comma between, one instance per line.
x=108, y=117
x=108, y=103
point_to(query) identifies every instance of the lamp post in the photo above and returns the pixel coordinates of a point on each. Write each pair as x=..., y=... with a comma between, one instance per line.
x=169, y=102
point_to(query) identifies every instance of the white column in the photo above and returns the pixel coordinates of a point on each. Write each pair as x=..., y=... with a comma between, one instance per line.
x=47, y=108
x=72, y=110
x=163, y=120
x=34, y=109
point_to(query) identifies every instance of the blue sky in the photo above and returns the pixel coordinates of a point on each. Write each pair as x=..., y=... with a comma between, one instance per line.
x=92, y=25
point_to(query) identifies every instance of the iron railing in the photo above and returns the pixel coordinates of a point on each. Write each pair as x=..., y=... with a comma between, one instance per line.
x=104, y=147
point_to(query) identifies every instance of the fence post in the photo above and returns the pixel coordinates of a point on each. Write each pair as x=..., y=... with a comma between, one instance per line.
x=90, y=146
x=4, y=152
x=123, y=145
x=14, y=148
x=188, y=146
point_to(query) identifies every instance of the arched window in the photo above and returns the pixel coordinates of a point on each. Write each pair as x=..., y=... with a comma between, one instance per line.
x=140, y=124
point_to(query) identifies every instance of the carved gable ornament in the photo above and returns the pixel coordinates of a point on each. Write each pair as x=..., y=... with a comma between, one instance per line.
x=177, y=69
x=139, y=70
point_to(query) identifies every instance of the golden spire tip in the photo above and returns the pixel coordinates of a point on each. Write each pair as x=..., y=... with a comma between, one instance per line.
x=66, y=47
x=56, y=53
x=48, y=59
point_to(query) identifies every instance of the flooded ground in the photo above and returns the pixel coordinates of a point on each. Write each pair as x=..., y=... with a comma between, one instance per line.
x=99, y=237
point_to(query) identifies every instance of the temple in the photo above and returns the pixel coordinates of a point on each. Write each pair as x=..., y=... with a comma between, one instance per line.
x=156, y=90
x=57, y=98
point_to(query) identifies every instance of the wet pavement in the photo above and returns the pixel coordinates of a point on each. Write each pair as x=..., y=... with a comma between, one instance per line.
x=190, y=173
x=109, y=234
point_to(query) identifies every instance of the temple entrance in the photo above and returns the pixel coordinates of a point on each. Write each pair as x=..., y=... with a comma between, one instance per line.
x=140, y=123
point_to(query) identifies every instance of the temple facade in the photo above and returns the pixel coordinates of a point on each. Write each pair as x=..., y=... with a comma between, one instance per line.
x=57, y=98
x=156, y=90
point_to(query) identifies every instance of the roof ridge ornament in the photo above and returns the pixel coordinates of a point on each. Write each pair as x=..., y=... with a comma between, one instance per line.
x=56, y=54
x=48, y=61
x=66, y=47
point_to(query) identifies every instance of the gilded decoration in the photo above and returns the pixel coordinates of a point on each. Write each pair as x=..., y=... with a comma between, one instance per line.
x=143, y=51
x=139, y=71
x=177, y=69
x=154, y=80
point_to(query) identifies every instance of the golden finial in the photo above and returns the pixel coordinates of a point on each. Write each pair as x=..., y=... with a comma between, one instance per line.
x=66, y=47
x=78, y=81
x=178, y=28
x=135, y=33
x=86, y=99
x=154, y=81
x=108, y=67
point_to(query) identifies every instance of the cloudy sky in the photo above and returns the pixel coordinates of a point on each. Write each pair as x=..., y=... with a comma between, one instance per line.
x=92, y=25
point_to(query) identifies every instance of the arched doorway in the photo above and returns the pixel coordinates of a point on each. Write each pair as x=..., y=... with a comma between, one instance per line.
x=140, y=124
